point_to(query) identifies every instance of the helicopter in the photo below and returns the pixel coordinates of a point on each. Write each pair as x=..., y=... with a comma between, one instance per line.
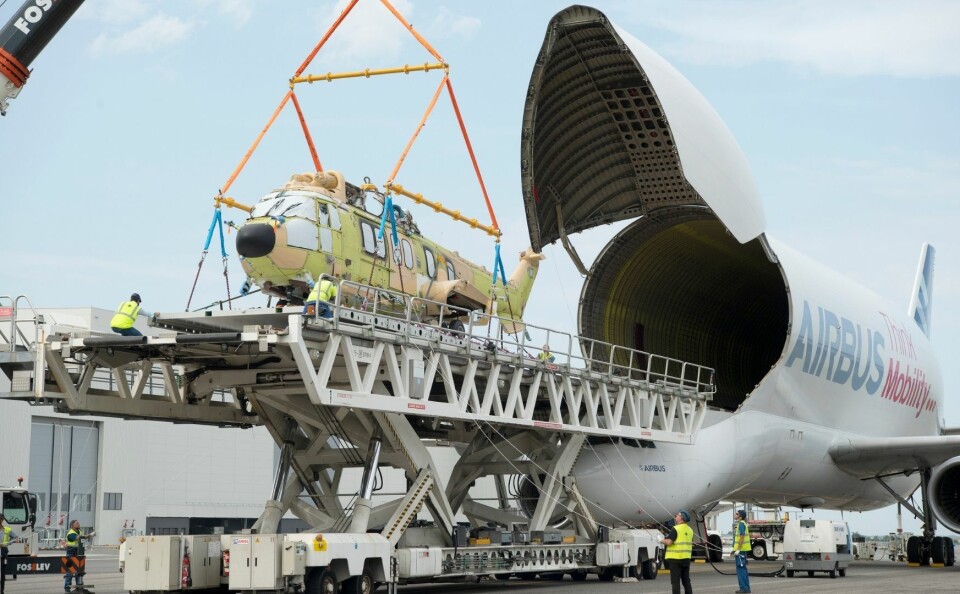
x=318, y=224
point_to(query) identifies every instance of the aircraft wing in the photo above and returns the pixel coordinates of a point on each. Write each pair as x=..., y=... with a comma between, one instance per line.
x=871, y=456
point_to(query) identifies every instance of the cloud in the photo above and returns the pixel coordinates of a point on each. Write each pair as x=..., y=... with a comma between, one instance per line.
x=446, y=24
x=369, y=34
x=155, y=33
x=852, y=38
x=115, y=12
x=239, y=11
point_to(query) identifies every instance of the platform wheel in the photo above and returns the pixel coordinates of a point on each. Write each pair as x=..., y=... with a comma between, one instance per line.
x=789, y=573
x=648, y=569
x=842, y=572
x=809, y=574
x=361, y=584
x=322, y=581
x=578, y=575
x=759, y=551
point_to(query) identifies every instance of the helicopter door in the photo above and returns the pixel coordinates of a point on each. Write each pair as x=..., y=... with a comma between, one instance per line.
x=375, y=250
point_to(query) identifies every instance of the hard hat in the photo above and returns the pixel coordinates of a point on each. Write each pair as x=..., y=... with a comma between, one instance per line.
x=742, y=513
x=135, y=297
x=685, y=515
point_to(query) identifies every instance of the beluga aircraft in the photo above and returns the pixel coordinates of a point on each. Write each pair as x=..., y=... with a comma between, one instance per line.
x=828, y=396
x=319, y=224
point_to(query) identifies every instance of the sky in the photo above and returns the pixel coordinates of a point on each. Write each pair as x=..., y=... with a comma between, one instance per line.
x=137, y=113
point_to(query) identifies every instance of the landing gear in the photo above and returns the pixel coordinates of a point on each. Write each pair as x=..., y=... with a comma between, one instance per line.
x=922, y=549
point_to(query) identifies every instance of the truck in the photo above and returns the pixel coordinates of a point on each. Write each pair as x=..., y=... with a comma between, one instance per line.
x=817, y=546
x=19, y=507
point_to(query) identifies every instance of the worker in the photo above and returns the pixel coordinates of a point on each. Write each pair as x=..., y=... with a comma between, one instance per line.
x=122, y=321
x=321, y=295
x=75, y=548
x=741, y=544
x=679, y=550
x=7, y=535
x=545, y=355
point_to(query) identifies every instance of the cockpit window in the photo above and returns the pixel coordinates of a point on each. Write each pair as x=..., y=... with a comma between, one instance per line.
x=265, y=204
x=15, y=508
x=287, y=204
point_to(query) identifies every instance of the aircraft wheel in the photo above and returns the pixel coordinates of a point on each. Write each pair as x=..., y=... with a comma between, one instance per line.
x=951, y=553
x=938, y=550
x=913, y=549
x=789, y=573
x=759, y=551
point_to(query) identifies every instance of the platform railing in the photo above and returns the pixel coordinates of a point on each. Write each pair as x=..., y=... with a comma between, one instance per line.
x=553, y=348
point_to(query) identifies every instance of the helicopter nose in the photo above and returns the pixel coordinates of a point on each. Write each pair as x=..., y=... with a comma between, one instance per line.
x=255, y=240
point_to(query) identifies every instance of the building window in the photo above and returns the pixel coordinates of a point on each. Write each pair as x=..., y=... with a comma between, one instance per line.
x=113, y=501
x=81, y=503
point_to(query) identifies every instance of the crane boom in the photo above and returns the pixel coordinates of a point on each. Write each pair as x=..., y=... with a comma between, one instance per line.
x=22, y=39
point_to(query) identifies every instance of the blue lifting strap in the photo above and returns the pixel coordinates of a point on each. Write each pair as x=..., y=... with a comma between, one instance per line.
x=498, y=267
x=388, y=212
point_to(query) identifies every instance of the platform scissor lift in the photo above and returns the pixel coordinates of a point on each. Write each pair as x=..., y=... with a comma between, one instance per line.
x=368, y=390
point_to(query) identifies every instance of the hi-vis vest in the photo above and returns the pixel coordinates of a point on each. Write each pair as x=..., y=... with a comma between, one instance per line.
x=5, y=538
x=682, y=548
x=126, y=315
x=745, y=546
x=75, y=542
x=322, y=291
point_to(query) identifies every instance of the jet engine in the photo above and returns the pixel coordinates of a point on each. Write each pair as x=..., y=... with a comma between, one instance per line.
x=944, y=493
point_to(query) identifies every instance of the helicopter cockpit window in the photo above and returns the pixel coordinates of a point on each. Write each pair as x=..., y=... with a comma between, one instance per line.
x=371, y=244
x=264, y=206
x=373, y=204
x=451, y=271
x=431, y=263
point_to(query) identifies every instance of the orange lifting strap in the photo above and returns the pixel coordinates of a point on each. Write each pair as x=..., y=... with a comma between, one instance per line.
x=298, y=78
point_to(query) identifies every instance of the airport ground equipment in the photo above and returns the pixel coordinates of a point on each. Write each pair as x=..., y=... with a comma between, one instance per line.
x=817, y=546
x=366, y=390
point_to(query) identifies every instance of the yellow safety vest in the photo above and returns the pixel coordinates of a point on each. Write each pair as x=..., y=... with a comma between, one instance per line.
x=322, y=291
x=76, y=542
x=5, y=540
x=545, y=355
x=746, y=537
x=126, y=315
x=682, y=548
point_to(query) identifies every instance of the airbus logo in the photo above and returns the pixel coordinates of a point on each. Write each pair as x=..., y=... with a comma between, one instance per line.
x=839, y=350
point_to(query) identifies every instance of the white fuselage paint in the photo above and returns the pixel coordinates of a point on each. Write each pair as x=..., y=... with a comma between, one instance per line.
x=854, y=367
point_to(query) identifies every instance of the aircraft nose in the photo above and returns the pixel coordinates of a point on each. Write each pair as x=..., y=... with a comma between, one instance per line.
x=255, y=240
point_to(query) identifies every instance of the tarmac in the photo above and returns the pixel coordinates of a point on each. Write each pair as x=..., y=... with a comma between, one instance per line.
x=863, y=577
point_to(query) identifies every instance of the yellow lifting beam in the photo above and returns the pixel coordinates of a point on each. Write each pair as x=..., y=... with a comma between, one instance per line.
x=227, y=201
x=367, y=73
x=438, y=207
